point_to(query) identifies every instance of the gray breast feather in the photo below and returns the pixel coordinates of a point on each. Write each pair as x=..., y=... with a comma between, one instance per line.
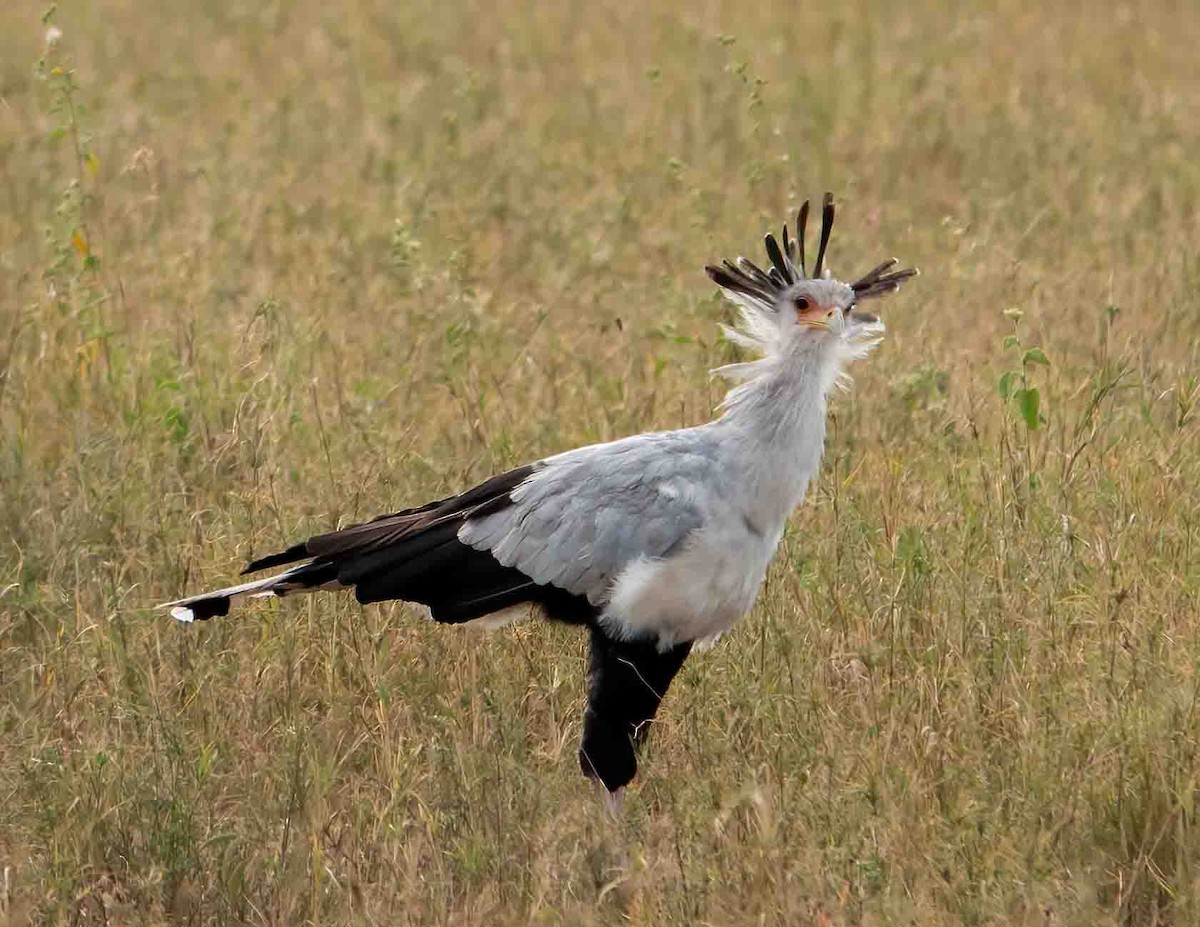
x=581, y=518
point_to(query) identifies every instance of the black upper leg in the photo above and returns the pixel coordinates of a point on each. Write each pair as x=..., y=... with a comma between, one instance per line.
x=626, y=683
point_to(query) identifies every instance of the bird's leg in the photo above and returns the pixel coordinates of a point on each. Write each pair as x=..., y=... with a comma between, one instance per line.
x=613, y=802
x=626, y=683
x=609, y=852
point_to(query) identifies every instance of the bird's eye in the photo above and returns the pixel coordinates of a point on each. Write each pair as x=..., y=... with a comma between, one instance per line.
x=801, y=303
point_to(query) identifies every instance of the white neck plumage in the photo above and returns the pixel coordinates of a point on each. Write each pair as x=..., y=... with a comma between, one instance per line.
x=777, y=424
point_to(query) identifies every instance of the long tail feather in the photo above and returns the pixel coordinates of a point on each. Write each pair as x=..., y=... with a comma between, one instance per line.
x=213, y=604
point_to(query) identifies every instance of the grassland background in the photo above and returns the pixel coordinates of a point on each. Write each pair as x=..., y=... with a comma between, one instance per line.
x=346, y=257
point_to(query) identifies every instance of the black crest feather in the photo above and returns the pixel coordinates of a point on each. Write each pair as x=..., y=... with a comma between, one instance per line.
x=787, y=264
x=826, y=231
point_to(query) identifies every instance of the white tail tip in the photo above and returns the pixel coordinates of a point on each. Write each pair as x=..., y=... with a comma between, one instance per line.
x=182, y=613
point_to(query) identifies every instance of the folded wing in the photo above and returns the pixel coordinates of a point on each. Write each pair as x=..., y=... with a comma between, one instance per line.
x=585, y=516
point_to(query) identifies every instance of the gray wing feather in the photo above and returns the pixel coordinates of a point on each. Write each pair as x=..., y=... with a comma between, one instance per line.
x=584, y=516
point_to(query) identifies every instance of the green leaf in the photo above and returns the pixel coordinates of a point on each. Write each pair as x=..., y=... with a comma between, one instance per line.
x=1036, y=356
x=1028, y=401
x=176, y=423
x=1006, y=384
x=1011, y=341
x=912, y=551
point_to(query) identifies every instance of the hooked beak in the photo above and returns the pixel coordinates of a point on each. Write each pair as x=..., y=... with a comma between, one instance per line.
x=820, y=320
x=838, y=320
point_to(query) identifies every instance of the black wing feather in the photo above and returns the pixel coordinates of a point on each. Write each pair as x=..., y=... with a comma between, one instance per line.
x=413, y=555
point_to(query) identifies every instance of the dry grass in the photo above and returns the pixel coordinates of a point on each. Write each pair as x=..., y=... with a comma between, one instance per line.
x=350, y=258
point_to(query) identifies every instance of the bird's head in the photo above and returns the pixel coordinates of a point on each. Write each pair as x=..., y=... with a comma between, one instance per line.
x=818, y=309
x=786, y=307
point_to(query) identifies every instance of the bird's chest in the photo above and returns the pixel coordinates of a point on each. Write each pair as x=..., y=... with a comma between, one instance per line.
x=699, y=592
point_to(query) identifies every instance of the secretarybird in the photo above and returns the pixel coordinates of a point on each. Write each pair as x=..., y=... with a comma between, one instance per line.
x=655, y=542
